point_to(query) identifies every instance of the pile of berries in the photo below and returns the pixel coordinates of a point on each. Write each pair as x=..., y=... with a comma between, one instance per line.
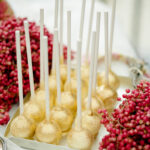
x=8, y=68
x=129, y=125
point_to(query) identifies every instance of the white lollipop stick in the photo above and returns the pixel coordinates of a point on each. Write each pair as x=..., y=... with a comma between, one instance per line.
x=82, y=19
x=69, y=45
x=56, y=14
x=90, y=29
x=45, y=44
x=93, y=47
x=96, y=49
x=19, y=69
x=41, y=45
x=79, y=83
x=54, y=52
x=26, y=26
x=57, y=68
x=61, y=26
x=106, y=48
x=112, y=31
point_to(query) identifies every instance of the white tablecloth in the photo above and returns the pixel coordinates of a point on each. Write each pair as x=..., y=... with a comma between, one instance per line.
x=30, y=9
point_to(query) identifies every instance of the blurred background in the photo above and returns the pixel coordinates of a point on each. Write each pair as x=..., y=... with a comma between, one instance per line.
x=134, y=17
x=132, y=21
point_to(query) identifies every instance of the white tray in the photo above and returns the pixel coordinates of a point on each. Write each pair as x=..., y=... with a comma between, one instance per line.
x=125, y=82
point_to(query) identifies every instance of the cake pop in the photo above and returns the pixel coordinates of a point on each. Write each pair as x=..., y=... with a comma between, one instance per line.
x=105, y=92
x=90, y=120
x=113, y=79
x=67, y=99
x=32, y=109
x=47, y=131
x=60, y=114
x=78, y=137
x=21, y=126
x=96, y=102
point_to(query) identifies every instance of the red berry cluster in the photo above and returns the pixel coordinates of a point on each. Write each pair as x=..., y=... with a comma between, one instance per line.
x=5, y=10
x=8, y=68
x=129, y=125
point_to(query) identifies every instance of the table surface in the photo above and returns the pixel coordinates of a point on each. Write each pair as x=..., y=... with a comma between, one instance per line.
x=30, y=9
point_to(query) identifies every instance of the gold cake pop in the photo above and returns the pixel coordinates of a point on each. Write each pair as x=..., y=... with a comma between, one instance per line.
x=67, y=98
x=72, y=86
x=113, y=80
x=96, y=102
x=63, y=73
x=68, y=101
x=32, y=109
x=105, y=92
x=90, y=120
x=78, y=137
x=40, y=99
x=59, y=114
x=47, y=131
x=21, y=126
x=108, y=96
x=53, y=85
x=63, y=117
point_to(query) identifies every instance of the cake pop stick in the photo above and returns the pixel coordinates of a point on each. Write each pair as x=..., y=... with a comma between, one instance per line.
x=21, y=126
x=67, y=99
x=96, y=51
x=32, y=109
x=96, y=102
x=112, y=30
x=63, y=67
x=69, y=45
x=106, y=48
x=107, y=94
x=41, y=47
x=52, y=78
x=79, y=84
x=82, y=19
x=78, y=137
x=91, y=121
x=91, y=70
x=56, y=14
x=61, y=29
x=90, y=29
x=26, y=25
x=47, y=131
x=61, y=115
x=46, y=77
x=19, y=68
x=54, y=42
x=113, y=79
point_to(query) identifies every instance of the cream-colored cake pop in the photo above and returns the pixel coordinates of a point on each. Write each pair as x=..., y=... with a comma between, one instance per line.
x=113, y=80
x=47, y=131
x=21, y=126
x=68, y=100
x=90, y=120
x=78, y=137
x=96, y=102
x=72, y=86
x=32, y=109
x=61, y=115
x=40, y=99
x=105, y=92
